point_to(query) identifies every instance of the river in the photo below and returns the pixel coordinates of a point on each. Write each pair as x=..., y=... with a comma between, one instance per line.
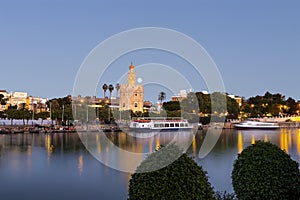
x=59, y=166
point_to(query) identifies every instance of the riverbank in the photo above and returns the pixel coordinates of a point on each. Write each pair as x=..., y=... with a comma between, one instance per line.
x=14, y=129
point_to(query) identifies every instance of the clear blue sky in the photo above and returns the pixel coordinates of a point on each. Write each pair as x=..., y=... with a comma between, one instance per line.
x=255, y=44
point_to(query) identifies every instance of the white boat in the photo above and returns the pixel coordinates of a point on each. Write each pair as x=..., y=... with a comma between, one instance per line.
x=249, y=124
x=160, y=124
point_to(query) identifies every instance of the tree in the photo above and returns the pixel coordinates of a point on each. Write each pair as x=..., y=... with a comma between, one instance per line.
x=2, y=100
x=172, y=106
x=117, y=88
x=264, y=171
x=24, y=113
x=161, y=96
x=11, y=113
x=219, y=100
x=61, y=108
x=232, y=106
x=204, y=102
x=181, y=179
x=103, y=113
x=291, y=105
x=43, y=116
x=190, y=104
x=104, y=87
x=110, y=88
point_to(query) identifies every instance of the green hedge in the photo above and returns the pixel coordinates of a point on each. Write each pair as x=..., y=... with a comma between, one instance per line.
x=182, y=179
x=264, y=171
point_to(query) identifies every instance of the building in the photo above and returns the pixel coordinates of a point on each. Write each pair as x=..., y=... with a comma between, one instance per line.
x=4, y=93
x=180, y=96
x=21, y=99
x=238, y=99
x=131, y=94
x=18, y=98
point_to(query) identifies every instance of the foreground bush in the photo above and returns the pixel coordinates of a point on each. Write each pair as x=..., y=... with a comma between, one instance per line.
x=182, y=179
x=224, y=196
x=264, y=171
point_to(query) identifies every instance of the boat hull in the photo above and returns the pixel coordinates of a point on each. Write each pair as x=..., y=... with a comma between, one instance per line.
x=257, y=128
x=159, y=130
x=249, y=124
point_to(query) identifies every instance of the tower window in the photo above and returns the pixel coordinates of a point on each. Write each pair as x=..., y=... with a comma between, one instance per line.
x=123, y=104
x=135, y=104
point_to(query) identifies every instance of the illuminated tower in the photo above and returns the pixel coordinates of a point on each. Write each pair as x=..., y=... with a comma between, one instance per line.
x=131, y=76
x=131, y=94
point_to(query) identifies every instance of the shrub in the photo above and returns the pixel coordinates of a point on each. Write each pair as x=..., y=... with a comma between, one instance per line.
x=182, y=179
x=224, y=196
x=264, y=171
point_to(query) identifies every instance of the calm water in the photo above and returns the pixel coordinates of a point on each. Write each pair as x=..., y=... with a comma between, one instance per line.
x=58, y=166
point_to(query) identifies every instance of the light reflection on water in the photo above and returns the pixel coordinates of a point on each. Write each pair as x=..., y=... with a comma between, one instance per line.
x=32, y=163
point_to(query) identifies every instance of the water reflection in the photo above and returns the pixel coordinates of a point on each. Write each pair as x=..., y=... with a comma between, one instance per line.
x=298, y=143
x=26, y=153
x=80, y=164
x=124, y=151
x=240, y=142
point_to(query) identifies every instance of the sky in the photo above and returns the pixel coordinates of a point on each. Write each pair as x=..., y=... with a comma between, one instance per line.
x=255, y=44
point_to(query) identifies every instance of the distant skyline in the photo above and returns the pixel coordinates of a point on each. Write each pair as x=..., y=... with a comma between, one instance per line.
x=255, y=44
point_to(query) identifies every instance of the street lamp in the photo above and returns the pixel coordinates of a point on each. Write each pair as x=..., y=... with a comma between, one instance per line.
x=32, y=105
x=63, y=113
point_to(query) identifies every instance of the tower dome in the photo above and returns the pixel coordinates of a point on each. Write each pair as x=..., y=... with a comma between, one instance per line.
x=131, y=67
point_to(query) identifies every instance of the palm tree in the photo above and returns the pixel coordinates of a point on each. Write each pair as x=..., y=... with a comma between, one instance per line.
x=110, y=88
x=117, y=88
x=2, y=99
x=161, y=96
x=104, y=87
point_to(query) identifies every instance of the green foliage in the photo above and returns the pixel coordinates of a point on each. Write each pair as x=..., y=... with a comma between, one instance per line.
x=175, y=113
x=11, y=113
x=2, y=100
x=182, y=179
x=264, y=171
x=2, y=115
x=224, y=196
x=273, y=104
x=61, y=107
x=161, y=96
x=171, y=105
x=42, y=115
x=201, y=103
x=232, y=106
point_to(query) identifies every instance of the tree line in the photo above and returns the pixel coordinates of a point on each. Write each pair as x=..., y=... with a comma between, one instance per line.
x=196, y=105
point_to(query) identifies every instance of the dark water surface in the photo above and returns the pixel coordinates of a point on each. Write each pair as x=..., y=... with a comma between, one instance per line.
x=58, y=166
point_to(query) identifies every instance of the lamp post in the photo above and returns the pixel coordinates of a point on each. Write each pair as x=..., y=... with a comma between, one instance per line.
x=87, y=113
x=63, y=113
x=32, y=105
x=50, y=113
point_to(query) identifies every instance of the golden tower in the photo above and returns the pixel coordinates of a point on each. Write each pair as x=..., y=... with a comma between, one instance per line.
x=131, y=76
x=131, y=94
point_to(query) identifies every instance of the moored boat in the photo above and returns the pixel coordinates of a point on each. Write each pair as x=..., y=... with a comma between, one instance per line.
x=249, y=124
x=159, y=124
